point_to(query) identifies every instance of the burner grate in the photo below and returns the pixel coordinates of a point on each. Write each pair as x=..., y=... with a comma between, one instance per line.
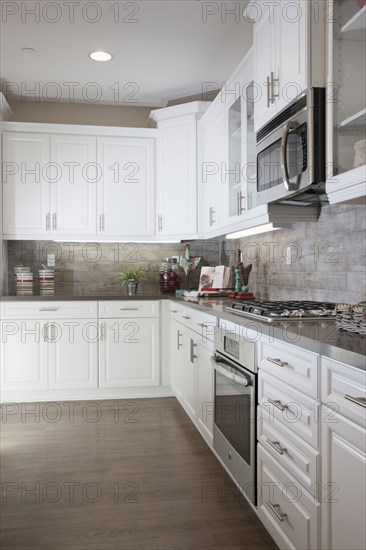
x=293, y=310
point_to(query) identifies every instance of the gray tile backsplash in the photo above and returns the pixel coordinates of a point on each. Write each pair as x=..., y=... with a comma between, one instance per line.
x=328, y=258
x=92, y=268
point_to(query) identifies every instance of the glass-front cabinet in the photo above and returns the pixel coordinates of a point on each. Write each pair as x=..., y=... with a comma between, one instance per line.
x=241, y=170
x=346, y=94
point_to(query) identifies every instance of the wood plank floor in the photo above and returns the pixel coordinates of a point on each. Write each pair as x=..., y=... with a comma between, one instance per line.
x=126, y=475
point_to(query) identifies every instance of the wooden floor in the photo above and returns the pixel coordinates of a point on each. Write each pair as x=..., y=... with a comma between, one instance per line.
x=117, y=476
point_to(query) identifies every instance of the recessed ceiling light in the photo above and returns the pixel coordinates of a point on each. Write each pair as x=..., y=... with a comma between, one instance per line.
x=100, y=56
x=28, y=50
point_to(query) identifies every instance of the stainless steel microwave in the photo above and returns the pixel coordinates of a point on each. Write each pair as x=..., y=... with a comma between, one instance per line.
x=290, y=151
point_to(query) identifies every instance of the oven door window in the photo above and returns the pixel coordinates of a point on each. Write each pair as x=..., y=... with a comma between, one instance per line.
x=269, y=172
x=269, y=167
x=233, y=414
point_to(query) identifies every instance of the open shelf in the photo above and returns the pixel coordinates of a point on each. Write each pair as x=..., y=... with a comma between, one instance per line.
x=357, y=22
x=358, y=119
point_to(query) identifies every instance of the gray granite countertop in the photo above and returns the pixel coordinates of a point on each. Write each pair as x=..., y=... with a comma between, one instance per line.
x=76, y=297
x=322, y=338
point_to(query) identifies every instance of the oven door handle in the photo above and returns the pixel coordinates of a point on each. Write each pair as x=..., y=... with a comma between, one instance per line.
x=289, y=185
x=242, y=380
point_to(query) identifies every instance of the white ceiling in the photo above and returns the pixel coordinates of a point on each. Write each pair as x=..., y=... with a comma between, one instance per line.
x=168, y=53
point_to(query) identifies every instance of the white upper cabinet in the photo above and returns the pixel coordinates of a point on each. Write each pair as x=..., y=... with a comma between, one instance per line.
x=73, y=185
x=213, y=172
x=126, y=191
x=67, y=181
x=26, y=190
x=227, y=162
x=346, y=102
x=177, y=170
x=264, y=63
x=289, y=53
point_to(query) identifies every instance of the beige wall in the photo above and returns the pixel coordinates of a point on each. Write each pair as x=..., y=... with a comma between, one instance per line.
x=79, y=113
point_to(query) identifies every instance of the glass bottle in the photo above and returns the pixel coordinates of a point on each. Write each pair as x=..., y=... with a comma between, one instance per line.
x=169, y=278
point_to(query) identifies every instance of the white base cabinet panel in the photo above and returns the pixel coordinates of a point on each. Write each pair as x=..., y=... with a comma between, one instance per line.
x=192, y=378
x=73, y=352
x=129, y=353
x=205, y=390
x=289, y=513
x=344, y=482
x=24, y=356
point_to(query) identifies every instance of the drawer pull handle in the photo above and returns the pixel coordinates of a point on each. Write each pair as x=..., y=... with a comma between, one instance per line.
x=203, y=325
x=278, y=404
x=174, y=311
x=277, y=362
x=186, y=317
x=179, y=345
x=357, y=400
x=274, y=508
x=193, y=356
x=130, y=308
x=49, y=309
x=276, y=446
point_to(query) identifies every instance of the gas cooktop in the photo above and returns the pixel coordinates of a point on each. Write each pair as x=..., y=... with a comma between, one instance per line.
x=276, y=311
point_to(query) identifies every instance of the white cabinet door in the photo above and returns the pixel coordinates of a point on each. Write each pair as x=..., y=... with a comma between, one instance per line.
x=264, y=61
x=24, y=355
x=344, y=482
x=189, y=377
x=74, y=185
x=73, y=352
x=26, y=187
x=291, y=47
x=205, y=389
x=126, y=191
x=214, y=172
x=129, y=353
x=177, y=357
x=177, y=177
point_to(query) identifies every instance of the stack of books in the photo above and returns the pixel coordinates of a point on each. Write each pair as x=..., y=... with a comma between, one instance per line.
x=46, y=282
x=23, y=281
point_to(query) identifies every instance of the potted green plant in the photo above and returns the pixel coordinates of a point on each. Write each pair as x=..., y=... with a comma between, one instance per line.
x=131, y=276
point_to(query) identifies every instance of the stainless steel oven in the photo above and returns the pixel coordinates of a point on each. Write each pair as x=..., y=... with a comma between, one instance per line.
x=290, y=152
x=234, y=434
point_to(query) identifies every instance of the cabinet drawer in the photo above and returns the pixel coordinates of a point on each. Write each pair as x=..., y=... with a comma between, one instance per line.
x=49, y=310
x=298, y=412
x=340, y=380
x=288, y=512
x=128, y=309
x=298, y=458
x=202, y=323
x=297, y=366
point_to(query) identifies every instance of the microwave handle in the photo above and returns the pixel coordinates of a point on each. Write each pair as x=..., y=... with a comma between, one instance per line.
x=290, y=186
x=242, y=380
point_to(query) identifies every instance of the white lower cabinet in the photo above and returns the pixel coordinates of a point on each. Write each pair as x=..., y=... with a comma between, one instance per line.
x=129, y=352
x=41, y=355
x=73, y=354
x=289, y=513
x=177, y=354
x=192, y=372
x=24, y=356
x=344, y=482
x=288, y=451
x=61, y=350
x=343, y=456
x=205, y=389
